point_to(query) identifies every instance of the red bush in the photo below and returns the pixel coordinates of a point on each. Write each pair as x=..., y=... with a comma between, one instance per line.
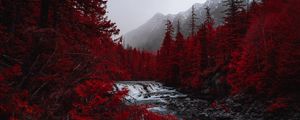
x=278, y=104
x=58, y=61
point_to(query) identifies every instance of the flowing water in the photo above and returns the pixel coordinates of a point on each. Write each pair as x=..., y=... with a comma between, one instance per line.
x=167, y=100
x=151, y=93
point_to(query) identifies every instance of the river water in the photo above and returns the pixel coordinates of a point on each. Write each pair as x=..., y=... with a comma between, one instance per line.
x=160, y=98
x=150, y=93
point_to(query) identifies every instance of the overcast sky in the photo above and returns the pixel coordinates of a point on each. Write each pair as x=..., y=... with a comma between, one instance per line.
x=129, y=14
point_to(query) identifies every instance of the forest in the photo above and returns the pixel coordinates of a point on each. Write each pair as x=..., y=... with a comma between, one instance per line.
x=59, y=60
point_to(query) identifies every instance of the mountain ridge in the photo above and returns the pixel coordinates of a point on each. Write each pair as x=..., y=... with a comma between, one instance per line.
x=149, y=35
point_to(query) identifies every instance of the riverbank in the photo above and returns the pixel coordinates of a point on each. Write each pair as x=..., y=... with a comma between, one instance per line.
x=168, y=100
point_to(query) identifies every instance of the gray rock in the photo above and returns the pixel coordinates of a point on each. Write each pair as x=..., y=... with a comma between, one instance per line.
x=188, y=99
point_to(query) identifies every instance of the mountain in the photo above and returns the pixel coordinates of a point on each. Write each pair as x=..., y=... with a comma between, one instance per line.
x=149, y=36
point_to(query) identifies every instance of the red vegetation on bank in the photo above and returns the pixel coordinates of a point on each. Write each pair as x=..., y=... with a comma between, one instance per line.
x=255, y=51
x=58, y=61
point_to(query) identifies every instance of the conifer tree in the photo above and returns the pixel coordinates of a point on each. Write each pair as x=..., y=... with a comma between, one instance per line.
x=178, y=56
x=193, y=21
x=166, y=53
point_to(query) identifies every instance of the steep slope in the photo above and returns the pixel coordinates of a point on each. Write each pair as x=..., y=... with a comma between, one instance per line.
x=149, y=36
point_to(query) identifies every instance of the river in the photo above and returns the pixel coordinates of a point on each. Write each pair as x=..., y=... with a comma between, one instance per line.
x=162, y=99
x=167, y=100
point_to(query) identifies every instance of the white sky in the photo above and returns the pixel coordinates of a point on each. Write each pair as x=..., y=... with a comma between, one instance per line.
x=129, y=14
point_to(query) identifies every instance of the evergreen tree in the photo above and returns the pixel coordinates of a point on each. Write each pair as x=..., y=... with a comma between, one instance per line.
x=234, y=7
x=211, y=44
x=178, y=55
x=166, y=53
x=193, y=21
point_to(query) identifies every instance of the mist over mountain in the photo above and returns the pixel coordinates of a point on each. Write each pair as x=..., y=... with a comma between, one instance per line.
x=149, y=36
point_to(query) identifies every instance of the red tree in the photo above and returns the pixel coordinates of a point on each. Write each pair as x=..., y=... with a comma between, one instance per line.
x=165, y=55
x=58, y=61
x=269, y=50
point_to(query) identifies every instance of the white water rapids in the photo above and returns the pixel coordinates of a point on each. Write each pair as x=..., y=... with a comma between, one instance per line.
x=149, y=93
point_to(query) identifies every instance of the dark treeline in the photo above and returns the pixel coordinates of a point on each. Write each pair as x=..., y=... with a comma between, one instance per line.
x=255, y=51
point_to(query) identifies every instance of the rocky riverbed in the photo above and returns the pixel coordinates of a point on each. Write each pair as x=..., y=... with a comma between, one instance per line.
x=167, y=100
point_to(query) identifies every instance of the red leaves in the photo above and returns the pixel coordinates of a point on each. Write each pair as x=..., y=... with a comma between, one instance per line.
x=17, y=106
x=138, y=113
x=214, y=104
x=254, y=52
x=1, y=78
x=69, y=67
x=138, y=65
x=90, y=87
x=278, y=105
x=122, y=116
x=165, y=55
x=259, y=67
x=75, y=116
x=26, y=109
x=96, y=102
x=65, y=65
x=16, y=70
x=11, y=72
x=194, y=82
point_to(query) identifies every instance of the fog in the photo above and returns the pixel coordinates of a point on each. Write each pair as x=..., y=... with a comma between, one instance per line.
x=129, y=14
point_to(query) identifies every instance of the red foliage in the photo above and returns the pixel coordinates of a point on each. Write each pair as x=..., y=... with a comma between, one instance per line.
x=254, y=51
x=181, y=62
x=193, y=83
x=58, y=61
x=11, y=72
x=214, y=104
x=164, y=55
x=279, y=104
x=94, y=96
x=259, y=67
x=1, y=78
